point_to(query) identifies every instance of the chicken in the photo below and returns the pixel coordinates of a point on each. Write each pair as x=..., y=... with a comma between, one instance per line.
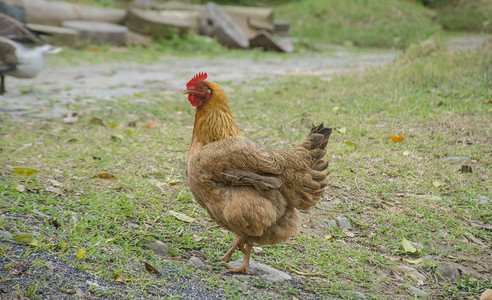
x=250, y=190
x=20, y=53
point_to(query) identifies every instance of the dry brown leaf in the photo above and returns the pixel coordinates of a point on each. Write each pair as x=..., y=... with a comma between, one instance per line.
x=396, y=138
x=151, y=269
x=149, y=125
x=20, y=188
x=105, y=176
x=17, y=268
x=96, y=121
x=118, y=278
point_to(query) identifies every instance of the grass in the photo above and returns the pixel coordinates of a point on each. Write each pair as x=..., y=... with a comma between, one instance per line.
x=439, y=101
x=388, y=23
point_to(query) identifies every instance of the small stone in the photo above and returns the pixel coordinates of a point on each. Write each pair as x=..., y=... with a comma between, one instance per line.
x=412, y=273
x=329, y=223
x=486, y=295
x=457, y=159
x=344, y=223
x=483, y=198
x=196, y=262
x=263, y=271
x=5, y=235
x=159, y=248
x=358, y=296
x=418, y=292
x=448, y=272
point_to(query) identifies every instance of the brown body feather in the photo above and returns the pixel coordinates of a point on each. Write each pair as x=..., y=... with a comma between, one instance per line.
x=250, y=190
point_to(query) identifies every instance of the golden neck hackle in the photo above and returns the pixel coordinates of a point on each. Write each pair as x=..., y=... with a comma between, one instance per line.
x=213, y=120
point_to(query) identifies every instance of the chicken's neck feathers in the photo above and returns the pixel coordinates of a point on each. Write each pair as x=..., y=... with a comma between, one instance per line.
x=214, y=121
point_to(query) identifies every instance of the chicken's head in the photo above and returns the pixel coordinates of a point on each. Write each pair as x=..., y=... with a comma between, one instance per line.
x=198, y=90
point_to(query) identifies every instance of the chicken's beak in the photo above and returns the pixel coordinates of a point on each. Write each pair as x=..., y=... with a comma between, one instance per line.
x=187, y=91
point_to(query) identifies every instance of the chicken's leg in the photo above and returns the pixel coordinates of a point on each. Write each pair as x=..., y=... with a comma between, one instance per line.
x=244, y=267
x=2, y=84
x=238, y=243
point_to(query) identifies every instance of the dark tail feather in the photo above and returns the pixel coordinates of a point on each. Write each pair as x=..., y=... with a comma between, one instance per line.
x=317, y=138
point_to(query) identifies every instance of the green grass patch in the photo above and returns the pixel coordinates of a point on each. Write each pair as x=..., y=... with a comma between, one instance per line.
x=387, y=23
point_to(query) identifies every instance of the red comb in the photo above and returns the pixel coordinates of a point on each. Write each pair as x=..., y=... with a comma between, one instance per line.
x=198, y=77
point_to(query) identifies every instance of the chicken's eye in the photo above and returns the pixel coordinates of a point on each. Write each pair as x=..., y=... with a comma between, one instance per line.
x=201, y=88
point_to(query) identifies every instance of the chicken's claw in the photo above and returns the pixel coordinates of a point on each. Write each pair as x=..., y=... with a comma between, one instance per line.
x=242, y=269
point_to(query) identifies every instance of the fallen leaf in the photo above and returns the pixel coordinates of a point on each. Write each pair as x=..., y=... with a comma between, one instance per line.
x=17, y=268
x=408, y=247
x=196, y=237
x=112, y=124
x=118, y=278
x=351, y=143
x=93, y=49
x=341, y=129
x=138, y=95
x=25, y=171
x=24, y=238
x=349, y=233
x=329, y=237
x=335, y=109
x=396, y=138
x=96, y=121
x=151, y=269
x=71, y=117
x=117, y=137
x=34, y=243
x=181, y=217
x=53, y=189
x=415, y=261
x=437, y=183
x=149, y=124
x=80, y=253
x=466, y=169
x=20, y=188
x=105, y=176
x=170, y=180
x=406, y=153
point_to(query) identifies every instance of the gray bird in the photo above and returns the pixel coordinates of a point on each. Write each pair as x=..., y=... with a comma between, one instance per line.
x=21, y=54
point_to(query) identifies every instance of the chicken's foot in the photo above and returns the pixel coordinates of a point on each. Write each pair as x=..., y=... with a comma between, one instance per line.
x=244, y=267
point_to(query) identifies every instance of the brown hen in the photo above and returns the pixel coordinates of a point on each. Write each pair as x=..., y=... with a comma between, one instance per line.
x=250, y=190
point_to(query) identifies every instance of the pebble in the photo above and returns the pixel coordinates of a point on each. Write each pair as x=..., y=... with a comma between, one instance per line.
x=159, y=247
x=5, y=235
x=418, y=292
x=448, y=272
x=196, y=262
x=344, y=223
x=263, y=271
x=457, y=159
x=412, y=273
x=329, y=223
x=483, y=198
x=358, y=296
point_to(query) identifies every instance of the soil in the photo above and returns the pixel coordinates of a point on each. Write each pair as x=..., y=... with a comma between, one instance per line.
x=106, y=81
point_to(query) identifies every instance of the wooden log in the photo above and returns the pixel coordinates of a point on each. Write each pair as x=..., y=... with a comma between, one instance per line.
x=55, y=12
x=56, y=35
x=99, y=32
x=249, y=19
x=161, y=23
x=215, y=22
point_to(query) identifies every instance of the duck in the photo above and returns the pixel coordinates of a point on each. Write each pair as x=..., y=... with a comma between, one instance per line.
x=22, y=53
